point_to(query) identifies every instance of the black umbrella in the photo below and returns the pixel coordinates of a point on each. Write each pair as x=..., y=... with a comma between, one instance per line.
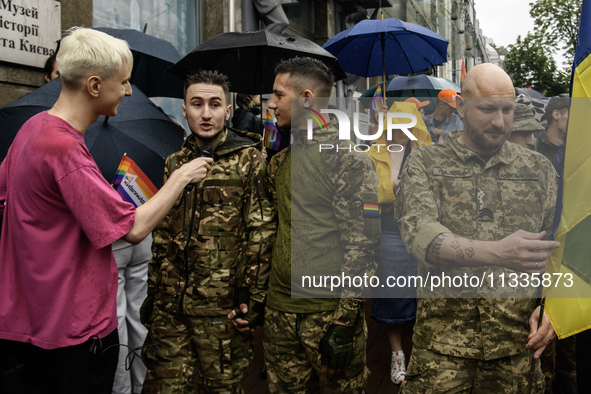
x=140, y=129
x=152, y=56
x=529, y=92
x=14, y=115
x=248, y=58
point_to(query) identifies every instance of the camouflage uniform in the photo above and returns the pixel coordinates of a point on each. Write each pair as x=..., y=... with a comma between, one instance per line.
x=450, y=189
x=322, y=230
x=194, y=289
x=434, y=373
x=285, y=332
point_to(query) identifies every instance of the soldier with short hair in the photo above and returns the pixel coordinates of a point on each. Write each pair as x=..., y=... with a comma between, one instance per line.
x=478, y=206
x=551, y=142
x=314, y=339
x=211, y=254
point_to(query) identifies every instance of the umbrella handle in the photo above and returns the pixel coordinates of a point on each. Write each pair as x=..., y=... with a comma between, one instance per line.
x=384, y=66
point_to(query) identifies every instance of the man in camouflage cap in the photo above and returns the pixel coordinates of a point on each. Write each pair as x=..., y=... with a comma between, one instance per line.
x=315, y=339
x=524, y=125
x=481, y=207
x=211, y=254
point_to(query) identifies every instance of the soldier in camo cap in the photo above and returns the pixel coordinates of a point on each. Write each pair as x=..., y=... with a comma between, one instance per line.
x=478, y=206
x=524, y=125
x=315, y=339
x=211, y=254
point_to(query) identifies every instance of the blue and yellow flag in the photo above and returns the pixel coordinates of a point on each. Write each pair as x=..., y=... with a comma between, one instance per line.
x=569, y=307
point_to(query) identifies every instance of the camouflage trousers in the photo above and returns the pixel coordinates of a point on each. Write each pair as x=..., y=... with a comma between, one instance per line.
x=559, y=361
x=290, y=342
x=189, y=354
x=430, y=373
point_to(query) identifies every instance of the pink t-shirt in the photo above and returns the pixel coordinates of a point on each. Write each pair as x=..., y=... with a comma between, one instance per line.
x=58, y=277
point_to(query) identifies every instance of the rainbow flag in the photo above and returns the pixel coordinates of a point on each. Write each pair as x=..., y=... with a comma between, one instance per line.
x=132, y=184
x=271, y=136
x=371, y=209
x=376, y=102
x=568, y=303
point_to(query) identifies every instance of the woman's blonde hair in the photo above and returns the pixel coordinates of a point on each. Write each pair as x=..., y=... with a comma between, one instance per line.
x=86, y=52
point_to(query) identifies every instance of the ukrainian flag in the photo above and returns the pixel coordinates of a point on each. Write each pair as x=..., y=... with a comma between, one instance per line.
x=569, y=307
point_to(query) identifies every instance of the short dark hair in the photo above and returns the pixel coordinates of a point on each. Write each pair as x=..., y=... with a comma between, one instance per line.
x=48, y=67
x=208, y=77
x=245, y=101
x=307, y=73
x=557, y=102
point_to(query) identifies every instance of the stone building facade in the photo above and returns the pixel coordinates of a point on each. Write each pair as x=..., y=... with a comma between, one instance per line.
x=186, y=23
x=16, y=80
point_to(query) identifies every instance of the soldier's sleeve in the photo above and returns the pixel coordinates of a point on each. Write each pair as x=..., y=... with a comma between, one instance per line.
x=415, y=207
x=355, y=203
x=269, y=178
x=261, y=229
x=161, y=237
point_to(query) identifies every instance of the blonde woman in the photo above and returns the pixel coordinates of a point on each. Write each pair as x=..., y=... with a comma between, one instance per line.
x=395, y=307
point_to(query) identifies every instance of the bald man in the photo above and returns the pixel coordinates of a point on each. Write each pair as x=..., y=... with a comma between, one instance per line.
x=478, y=207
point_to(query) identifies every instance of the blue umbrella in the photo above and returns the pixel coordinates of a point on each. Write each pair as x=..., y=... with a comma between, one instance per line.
x=376, y=47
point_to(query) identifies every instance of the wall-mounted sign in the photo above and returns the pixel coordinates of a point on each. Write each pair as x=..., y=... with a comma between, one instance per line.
x=29, y=30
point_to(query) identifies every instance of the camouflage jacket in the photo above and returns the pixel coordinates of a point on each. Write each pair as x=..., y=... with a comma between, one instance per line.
x=322, y=228
x=449, y=188
x=231, y=235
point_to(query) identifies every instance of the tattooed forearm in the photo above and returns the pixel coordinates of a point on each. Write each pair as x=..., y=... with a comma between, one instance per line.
x=435, y=246
x=460, y=256
x=450, y=249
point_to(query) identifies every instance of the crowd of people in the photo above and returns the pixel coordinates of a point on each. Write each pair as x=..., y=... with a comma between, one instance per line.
x=221, y=248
